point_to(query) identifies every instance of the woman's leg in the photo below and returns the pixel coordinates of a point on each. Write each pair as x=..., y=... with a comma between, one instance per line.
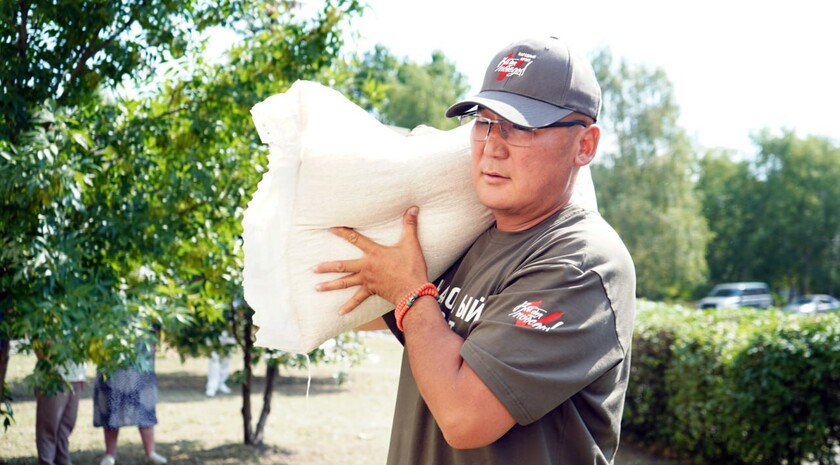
x=111, y=436
x=147, y=435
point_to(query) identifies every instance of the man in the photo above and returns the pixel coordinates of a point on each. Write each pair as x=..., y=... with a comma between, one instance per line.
x=520, y=352
x=55, y=416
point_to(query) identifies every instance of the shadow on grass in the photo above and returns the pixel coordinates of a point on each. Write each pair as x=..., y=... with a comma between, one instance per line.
x=192, y=452
x=184, y=452
x=187, y=387
x=184, y=387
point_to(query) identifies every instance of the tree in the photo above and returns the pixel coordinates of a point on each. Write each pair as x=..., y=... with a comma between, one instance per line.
x=644, y=179
x=732, y=205
x=802, y=198
x=403, y=93
x=366, y=80
x=76, y=236
x=124, y=206
x=775, y=216
x=208, y=131
x=422, y=93
x=69, y=51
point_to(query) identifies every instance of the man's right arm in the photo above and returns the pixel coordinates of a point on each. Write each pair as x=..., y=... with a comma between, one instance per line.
x=466, y=410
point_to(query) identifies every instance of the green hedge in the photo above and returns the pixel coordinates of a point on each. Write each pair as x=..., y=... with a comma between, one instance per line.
x=735, y=386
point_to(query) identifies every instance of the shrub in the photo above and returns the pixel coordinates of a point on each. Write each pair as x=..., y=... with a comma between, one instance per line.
x=786, y=394
x=736, y=386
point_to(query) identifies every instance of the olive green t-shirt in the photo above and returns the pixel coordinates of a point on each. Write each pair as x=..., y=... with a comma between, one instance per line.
x=547, y=317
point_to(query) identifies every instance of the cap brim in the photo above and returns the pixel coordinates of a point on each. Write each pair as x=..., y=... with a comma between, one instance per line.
x=515, y=108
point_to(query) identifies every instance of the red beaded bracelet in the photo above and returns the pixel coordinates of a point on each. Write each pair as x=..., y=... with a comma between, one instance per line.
x=428, y=289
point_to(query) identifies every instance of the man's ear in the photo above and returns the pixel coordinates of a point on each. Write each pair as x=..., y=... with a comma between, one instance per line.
x=588, y=145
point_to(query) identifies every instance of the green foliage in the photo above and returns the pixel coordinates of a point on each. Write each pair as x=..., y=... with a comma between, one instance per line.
x=646, y=396
x=730, y=195
x=366, y=80
x=202, y=127
x=644, y=180
x=402, y=93
x=736, y=386
x=788, y=385
x=697, y=367
x=78, y=230
x=71, y=50
x=121, y=208
x=69, y=262
x=801, y=201
x=775, y=217
x=421, y=94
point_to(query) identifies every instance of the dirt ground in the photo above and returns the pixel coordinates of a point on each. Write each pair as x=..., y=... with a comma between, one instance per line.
x=346, y=424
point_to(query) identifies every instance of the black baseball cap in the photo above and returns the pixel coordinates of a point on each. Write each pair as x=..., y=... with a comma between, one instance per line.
x=536, y=82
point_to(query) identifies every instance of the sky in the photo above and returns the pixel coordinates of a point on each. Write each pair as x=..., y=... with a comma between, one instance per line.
x=737, y=66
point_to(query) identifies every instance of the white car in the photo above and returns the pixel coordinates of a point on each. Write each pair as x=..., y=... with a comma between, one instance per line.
x=813, y=303
x=746, y=294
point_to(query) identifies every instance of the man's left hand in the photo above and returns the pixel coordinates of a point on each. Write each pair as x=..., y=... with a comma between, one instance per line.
x=390, y=272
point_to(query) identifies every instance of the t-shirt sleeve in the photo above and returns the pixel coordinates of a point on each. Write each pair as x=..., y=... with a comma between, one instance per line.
x=546, y=336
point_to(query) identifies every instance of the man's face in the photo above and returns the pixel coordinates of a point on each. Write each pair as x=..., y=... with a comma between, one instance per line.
x=523, y=185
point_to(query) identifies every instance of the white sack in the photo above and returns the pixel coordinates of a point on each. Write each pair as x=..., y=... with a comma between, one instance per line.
x=332, y=164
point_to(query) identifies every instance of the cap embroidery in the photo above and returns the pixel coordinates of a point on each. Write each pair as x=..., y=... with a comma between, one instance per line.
x=514, y=66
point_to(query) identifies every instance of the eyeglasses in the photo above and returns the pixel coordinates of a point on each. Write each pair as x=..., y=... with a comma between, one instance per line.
x=514, y=134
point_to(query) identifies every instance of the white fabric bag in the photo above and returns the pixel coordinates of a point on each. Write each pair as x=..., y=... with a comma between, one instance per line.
x=333, y=164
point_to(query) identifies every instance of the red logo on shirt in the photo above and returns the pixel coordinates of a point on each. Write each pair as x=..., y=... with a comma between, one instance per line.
x=529, y=314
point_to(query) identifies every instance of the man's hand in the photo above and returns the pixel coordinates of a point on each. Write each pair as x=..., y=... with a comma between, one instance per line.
x=390, y=272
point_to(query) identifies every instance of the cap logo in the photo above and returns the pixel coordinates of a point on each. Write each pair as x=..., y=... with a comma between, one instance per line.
x=510, y=66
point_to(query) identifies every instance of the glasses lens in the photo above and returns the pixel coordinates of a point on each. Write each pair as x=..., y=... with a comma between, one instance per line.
x=514, y=135
x=481, y=128
x=518, y=135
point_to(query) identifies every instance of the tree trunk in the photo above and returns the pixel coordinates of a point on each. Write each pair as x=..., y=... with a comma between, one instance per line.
x=270, y=375
x=6, y=415
x=5, y=347
x=252, y=437
x=246, y=386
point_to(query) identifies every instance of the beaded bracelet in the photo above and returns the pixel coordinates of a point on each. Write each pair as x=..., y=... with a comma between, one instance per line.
x=428, y=289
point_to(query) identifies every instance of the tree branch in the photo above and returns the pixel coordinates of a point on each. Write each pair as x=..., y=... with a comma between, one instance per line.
x=23, y=33
x=94, y=47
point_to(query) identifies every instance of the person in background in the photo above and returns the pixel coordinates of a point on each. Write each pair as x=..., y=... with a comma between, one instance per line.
x=55, y=415
x=520, y=351
x=218, y=368
x=128, y=397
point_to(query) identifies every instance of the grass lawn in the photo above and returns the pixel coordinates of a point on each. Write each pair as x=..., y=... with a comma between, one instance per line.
x=347, y=424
